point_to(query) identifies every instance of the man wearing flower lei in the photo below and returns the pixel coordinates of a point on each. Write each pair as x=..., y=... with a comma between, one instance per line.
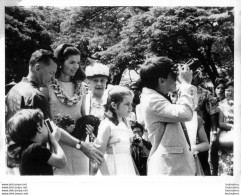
x=65, y=95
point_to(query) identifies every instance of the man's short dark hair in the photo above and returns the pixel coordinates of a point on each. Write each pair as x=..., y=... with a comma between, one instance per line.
x=41, y=55
x=153, y=69
x=137, y=125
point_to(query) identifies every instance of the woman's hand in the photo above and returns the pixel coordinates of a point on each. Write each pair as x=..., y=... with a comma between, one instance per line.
x=89, y=130
x=185, y=74
x=70, y=128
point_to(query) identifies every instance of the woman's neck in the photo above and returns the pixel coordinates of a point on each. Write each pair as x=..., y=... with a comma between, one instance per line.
x=97, y=96
x=64, y=78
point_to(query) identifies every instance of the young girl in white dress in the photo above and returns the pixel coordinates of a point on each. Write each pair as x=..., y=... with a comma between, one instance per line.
x=115, y=135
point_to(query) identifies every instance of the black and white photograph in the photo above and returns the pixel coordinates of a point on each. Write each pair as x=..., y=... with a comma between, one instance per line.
x=104, y=96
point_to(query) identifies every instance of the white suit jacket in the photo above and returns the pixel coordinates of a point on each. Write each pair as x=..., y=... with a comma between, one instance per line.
x=170, y=154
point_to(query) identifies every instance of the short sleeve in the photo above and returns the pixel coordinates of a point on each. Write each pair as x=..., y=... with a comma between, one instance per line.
x=41, y=153
x=104, y=134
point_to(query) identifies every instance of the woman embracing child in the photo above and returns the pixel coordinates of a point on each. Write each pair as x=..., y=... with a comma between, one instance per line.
x=115, y=134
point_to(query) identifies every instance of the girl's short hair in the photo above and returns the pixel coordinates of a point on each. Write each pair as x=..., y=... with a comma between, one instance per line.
x=23, y=126
x=116, y=95
x=61, y=53
x=154, y=68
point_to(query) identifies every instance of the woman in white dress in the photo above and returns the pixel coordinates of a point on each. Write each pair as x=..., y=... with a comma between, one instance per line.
x=65, y=96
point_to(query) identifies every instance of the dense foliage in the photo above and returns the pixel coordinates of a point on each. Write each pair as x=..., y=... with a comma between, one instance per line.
x=123, y=37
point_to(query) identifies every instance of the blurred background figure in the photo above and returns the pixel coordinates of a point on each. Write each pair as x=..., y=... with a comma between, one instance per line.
x=140, y=149
x=173, y=96
x=220, y=89
x=207, y=110
x=226, y=135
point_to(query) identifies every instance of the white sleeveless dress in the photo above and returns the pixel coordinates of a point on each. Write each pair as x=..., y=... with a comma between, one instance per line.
x=118, y=155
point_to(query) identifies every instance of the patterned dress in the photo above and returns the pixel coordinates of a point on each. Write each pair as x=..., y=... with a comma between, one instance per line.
x=225, y=166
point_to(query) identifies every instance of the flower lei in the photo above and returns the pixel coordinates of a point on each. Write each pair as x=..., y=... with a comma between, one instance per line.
x=62, y=95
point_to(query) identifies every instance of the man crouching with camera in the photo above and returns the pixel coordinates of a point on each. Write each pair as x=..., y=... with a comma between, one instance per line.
x=140, y=148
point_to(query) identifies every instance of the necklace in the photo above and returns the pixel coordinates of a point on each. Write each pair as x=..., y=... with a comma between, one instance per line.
x=62, y=95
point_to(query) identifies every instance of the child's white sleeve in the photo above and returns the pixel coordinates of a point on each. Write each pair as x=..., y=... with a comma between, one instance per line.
x=103, y=136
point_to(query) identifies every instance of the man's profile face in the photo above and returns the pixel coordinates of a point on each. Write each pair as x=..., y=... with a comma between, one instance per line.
x=47, y=73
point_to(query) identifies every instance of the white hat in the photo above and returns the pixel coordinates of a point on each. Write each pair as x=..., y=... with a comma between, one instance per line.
x=97, y=69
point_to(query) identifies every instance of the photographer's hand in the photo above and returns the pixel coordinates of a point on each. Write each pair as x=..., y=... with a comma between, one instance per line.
x=185, y=74
x=56, y=131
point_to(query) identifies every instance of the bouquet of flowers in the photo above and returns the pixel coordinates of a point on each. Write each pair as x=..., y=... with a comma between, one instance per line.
x=80, y=127
x=64, y=122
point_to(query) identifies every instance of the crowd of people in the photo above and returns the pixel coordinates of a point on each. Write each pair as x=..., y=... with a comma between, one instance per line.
x=167, y=123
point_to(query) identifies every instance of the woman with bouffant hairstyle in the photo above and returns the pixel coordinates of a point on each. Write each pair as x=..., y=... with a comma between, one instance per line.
x=66, y=95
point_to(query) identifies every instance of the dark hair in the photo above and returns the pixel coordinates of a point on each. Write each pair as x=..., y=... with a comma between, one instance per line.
x=23, y=126
x=61, y=53
x=153, y=69
x=137, y=125
x=229, y=83
x=219, y=81
x=41, y=55
x=116, y=95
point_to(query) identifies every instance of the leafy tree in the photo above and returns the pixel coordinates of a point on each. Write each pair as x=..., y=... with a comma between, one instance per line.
x=123, y=37
x=23, y=35
x=96, y=29
x=182, y=33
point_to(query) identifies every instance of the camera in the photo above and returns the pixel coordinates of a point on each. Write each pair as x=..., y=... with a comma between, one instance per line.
x=47, y=122
x=136, y=140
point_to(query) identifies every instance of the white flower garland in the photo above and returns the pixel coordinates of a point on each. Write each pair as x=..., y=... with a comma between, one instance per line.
x=62, y=95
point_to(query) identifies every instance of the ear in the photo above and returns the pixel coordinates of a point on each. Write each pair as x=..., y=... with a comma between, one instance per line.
x=114, y=105
x=37, y=67
x=39, y=128
x=161, y=80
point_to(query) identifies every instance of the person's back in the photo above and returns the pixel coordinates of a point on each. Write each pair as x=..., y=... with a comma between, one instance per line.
x=34, y=160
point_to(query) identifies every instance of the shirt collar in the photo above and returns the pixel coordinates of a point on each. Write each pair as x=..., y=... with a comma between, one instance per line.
x=34, y=84
x=146, y=90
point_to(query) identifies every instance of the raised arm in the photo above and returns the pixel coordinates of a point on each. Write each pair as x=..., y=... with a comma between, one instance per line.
x=58, y=158
x=180, y=112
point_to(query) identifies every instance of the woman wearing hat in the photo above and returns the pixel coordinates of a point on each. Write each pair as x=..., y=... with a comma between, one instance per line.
x=66, y=94
x=97, y=77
